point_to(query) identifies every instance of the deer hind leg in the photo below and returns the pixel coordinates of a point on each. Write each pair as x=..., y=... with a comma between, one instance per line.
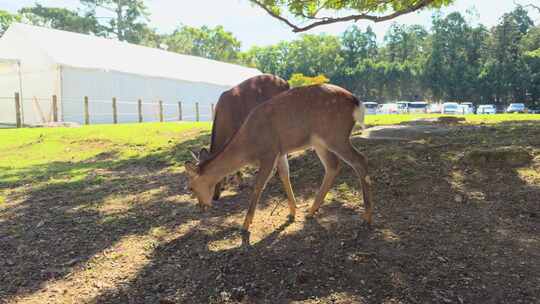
x=331, y=166
x=358, y=162
x=264, y=174
x=218, y=190
x=283, y=171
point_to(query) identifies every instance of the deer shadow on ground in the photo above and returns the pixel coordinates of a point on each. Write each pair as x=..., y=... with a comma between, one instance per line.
x=440, y=236
x=61, y=214
x=444, y=232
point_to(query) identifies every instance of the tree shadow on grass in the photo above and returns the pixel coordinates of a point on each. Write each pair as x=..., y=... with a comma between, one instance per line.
x=426, y=245
x=59, y=215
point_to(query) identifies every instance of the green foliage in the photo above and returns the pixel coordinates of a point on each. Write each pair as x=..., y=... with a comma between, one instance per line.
x=357, y=45
x=127, y=20
x=321, y=12
x=61, y=18
x=299, y=80
x=404, y=43
x=309, y=55
x=213, y=43
x=456, y=61
x=6, y=19
x=24, y=150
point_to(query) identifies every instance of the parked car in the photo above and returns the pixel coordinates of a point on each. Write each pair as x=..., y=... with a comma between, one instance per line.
x=501, y=108
x=463, y=109
x=450, y=108
x=418, y=107
x=468, y=107
x=486, y=109
x=388, y=108
x=435, y=108
x=403, y=106
x=371, y=107
x=516, y=108
x=534, y=111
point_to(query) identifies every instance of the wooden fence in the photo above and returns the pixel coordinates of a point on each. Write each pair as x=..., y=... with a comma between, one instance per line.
x=87, y=103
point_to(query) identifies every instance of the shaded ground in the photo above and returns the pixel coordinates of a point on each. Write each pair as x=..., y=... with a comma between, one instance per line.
x=129, y=232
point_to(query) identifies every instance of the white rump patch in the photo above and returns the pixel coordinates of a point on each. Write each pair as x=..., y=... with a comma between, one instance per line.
x=359, y=114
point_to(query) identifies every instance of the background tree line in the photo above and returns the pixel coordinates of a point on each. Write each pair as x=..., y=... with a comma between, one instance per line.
x=453, y=61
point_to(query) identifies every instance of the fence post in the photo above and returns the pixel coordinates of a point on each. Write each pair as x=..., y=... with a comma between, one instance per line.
x=212, y=111
x=160, y=111
x=180, y=111
x=139, y=109
x=55, y=108
x=86, y=111
x=115, y=113
x=18, y=110
x=197, y=111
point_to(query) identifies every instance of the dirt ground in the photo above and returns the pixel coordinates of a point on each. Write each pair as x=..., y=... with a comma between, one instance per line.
x=445, y=231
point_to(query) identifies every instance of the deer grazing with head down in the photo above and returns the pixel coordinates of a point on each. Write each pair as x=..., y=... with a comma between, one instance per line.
x=318, y=116
x=233, y=107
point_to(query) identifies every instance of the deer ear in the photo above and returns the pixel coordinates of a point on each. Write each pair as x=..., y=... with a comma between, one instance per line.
x=204, y=154
x=191, y=169
x=194, y=155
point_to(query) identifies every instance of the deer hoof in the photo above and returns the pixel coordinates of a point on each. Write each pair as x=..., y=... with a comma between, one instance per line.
x=311, y=215
x=368, y=222
x=204, y=208
x=290, y=218
x=245, y=238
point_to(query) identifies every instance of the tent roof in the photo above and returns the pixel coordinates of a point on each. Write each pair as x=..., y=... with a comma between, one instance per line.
x=90, y=52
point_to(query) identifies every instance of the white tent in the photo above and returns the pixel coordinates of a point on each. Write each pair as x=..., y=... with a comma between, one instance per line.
x=40, y=62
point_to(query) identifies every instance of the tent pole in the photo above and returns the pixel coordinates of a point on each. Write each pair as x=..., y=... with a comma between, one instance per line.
x=61, y=76
x=20, y=89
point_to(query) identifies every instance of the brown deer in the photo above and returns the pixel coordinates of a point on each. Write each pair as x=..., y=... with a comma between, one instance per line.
x=319, y=116
x=232, y=109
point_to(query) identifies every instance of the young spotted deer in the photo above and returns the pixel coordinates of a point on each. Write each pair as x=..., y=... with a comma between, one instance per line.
x=233, y=107
x=319, y=116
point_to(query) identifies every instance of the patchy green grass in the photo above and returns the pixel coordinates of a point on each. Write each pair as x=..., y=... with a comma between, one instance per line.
x=25, y=151
x=391, y=119
x=102, y=214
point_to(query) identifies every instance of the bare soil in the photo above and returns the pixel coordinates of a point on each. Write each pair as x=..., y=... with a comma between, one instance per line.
x=444, y=232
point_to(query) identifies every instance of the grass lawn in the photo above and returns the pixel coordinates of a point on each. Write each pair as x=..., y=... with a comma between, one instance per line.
x=390, y=119
x=24, y=150
x=27, y=152
x=101, y=214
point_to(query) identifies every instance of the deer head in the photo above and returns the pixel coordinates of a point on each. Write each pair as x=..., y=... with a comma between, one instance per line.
x=201, y=156
x=199, y=185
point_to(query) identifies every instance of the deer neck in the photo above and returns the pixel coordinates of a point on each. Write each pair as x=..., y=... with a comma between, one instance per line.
x=231, y=158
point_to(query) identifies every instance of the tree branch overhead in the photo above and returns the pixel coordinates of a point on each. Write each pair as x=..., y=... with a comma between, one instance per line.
x=375, y=11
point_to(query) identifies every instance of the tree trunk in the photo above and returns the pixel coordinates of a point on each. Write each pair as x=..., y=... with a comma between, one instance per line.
x=119, y=32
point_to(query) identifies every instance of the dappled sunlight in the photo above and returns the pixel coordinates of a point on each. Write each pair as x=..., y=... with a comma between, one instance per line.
x=227, y=243
x=530, y=176
x=338, y=298
x=128, y=230
x=96, y=275
x=107, y=270
x=388, y=235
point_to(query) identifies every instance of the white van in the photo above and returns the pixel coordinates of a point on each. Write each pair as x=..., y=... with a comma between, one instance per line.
x=371, y=107
x=403, y=106
x=450, y=108
x=486, y=109
x=469, y=107
x=388, y=108
x=418, y=107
